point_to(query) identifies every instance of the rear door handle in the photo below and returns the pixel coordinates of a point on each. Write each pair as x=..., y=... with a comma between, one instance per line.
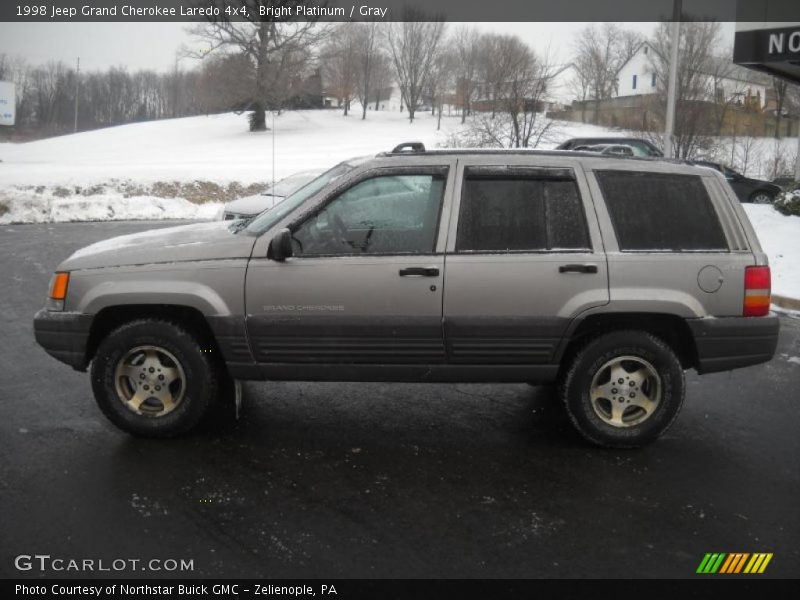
x=577, y=269
x=420, y=271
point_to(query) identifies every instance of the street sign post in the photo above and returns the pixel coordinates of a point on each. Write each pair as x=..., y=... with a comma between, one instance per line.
x=8, y=103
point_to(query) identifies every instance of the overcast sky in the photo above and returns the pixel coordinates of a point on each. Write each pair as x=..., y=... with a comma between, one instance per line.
x=154, y=45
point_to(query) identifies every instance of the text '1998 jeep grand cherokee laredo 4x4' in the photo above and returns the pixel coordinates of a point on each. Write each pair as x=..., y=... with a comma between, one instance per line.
x=609, y=276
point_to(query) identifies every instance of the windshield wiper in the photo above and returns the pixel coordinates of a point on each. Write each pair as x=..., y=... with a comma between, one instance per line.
x=240, y=224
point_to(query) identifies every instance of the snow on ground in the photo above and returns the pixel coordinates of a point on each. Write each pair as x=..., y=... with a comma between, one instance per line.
x=26, y=207
x=780, y=238
x=219, y=148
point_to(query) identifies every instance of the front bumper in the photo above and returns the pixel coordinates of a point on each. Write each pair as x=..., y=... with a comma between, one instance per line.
x=63, y=335
x=732, y=342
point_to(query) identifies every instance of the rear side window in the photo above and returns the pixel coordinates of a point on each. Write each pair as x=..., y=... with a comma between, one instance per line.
x=523, y=211
x=661, y=212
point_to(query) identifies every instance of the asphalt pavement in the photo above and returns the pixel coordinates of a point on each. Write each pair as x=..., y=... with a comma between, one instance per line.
x=383, y=480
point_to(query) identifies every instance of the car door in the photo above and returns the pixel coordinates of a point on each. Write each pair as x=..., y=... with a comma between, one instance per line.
x=364, y=284
x=524, y=257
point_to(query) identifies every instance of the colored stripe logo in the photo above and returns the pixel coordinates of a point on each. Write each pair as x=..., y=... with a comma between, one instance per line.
x=734, y=563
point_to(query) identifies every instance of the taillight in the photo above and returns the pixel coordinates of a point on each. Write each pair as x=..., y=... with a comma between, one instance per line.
x=757, y=284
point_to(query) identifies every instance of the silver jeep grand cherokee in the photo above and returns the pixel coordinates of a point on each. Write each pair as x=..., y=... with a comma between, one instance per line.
x=608, y=276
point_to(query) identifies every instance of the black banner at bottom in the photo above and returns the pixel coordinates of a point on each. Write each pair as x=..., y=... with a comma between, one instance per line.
x=389, y=589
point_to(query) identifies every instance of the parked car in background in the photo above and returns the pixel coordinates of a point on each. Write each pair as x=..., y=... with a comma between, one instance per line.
x=639, y=147
x=549, y=261
x=613, y=149
x=756, y=191
x=250, y=206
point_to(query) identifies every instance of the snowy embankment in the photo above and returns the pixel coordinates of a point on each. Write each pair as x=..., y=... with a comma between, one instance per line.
x=780, y=239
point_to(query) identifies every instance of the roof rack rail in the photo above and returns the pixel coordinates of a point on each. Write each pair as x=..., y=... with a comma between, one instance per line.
x=408, y=147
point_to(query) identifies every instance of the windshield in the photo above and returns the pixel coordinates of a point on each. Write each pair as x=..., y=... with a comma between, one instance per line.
x=289, y=185
x=269, y=217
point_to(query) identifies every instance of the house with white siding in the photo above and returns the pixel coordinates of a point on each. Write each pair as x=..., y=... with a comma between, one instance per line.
x=739, y=86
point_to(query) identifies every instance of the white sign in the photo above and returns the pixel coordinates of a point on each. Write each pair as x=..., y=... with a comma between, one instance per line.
x=8, y=103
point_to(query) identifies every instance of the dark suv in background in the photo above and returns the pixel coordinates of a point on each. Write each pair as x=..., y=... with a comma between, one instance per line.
x=638, y=146
x=747, y=189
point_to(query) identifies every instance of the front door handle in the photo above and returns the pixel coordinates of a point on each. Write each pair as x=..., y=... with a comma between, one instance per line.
x=577, y=269
x=420, y=271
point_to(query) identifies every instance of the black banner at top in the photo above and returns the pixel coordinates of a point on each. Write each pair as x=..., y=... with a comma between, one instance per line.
x=392, y=10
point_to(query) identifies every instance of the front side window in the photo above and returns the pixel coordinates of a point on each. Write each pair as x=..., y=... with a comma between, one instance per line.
x=388, y=214
x=508, y=213
x=661, y=212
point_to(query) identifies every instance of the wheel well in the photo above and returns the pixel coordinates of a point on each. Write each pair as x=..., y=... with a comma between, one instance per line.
x=112, y=317
x=672, y=329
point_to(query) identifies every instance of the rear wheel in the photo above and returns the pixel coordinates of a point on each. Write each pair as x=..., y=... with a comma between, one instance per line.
x=761, y=197
x=154, y=378
x=623, y=389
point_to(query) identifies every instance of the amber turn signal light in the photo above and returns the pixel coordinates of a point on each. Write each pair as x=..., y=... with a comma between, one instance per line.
x=58, y=286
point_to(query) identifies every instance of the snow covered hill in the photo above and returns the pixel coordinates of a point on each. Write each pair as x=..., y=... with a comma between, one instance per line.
x=112, y=173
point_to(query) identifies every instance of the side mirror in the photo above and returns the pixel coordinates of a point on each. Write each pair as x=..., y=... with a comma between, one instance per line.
x=280, y=248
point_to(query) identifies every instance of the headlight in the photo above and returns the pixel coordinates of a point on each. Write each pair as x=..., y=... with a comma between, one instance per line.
x=58, y=291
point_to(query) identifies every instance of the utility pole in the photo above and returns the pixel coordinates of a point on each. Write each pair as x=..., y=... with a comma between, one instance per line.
x=77, y=92
x=672, y=88
x=177, y=73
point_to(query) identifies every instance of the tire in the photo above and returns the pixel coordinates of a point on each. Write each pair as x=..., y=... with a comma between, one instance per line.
x=653, y=381
x=761, y=197
x=140, y=356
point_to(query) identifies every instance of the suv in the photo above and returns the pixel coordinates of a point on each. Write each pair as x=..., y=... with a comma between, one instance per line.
x=608, y=276
x=640, y=147
x=746, y=189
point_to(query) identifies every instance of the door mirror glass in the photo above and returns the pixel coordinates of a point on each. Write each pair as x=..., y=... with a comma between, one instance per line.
x=280, y=248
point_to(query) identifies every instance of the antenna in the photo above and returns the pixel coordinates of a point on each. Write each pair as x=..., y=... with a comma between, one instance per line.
x=273, y=154
x=77, y=92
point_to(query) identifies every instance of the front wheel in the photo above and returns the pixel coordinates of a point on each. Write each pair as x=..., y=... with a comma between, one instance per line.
x=623, y=389
x=154, y=378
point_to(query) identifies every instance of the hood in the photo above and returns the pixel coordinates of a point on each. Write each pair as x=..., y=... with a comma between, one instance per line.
x=762, y=183
x=252, y=205
x=200, y=241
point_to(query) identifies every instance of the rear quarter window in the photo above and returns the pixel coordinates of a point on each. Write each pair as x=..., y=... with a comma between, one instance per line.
x=661, y=212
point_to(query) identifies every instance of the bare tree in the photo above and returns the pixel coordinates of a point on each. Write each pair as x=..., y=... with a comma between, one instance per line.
x=523, y=93
x=720, y=72
x=382, y=77
x=279, y=51
x=697, y=41
x=513, y=100
x=779, y=86
x=601, y=52
x=747, y=150
x=466, y=45
x=340, y=63
x=413, y=43
x=368, y=53
x=581, y=81
x=441, y=78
